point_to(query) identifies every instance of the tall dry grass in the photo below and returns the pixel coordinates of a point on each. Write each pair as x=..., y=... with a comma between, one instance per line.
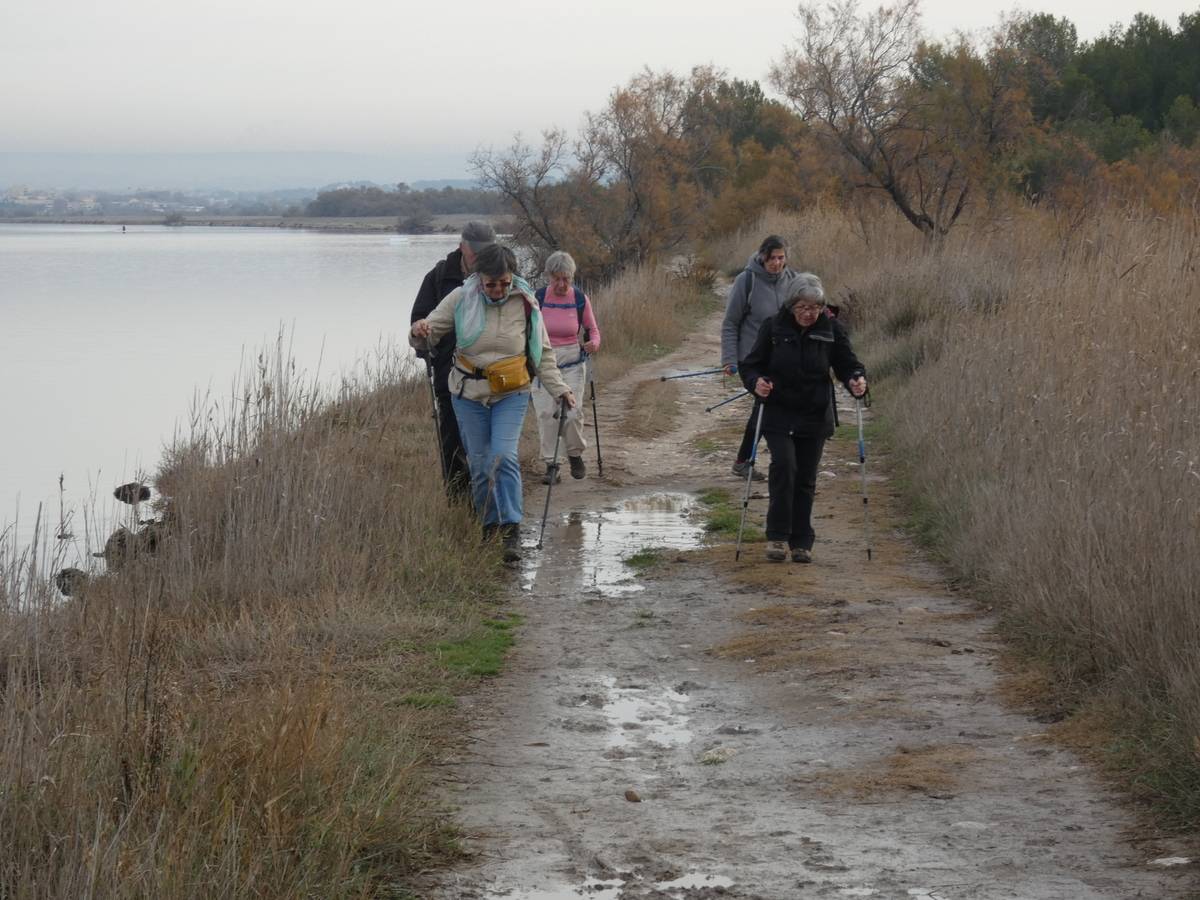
x=645, y=312
x=1040, y=384
x=228, y=717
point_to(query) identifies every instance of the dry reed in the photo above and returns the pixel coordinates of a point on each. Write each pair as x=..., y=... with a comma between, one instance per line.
x=645, y=312
x=226, y=717
x=1038, y=379
x=229, y=715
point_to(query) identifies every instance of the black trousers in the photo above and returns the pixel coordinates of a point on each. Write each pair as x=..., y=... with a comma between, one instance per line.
x=747, y=445
x=458, y=476
x=792, y=484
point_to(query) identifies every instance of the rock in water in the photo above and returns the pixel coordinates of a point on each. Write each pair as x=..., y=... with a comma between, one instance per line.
x=70, y=581
x=118, y=549
x=133, y=492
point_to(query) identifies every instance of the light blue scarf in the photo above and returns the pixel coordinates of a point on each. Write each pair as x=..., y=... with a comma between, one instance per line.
x=471, y=311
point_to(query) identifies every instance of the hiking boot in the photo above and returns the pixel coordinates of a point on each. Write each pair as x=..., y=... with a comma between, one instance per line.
x=800, y=555
x=551, y=476
x=741, y=468
x=578, y=469
x=510, y=536
x=777, y=551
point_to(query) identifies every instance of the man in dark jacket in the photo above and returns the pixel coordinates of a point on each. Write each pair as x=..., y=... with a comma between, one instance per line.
x=448, y=274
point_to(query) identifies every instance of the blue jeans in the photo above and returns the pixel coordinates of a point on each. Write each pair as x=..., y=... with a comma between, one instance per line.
x=490, y=433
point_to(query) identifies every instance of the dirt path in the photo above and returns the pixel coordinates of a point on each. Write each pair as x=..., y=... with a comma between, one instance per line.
x=762, y=730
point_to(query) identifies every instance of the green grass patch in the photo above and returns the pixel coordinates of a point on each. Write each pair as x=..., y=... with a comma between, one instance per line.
x=723, y=521
x=433, y=700
x=723, y=514
x=646, y=558
x=482, y=654
x=714, y=497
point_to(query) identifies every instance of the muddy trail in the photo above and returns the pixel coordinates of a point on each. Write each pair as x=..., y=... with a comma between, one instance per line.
x=696, y=728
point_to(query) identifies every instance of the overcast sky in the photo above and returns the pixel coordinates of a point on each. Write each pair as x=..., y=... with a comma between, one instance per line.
x=425, y=80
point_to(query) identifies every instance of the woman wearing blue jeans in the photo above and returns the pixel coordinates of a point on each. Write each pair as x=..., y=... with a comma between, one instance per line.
x=501, y=345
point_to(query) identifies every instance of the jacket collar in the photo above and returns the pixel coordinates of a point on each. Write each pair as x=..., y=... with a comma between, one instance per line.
x=454, y=267
x=820, y=330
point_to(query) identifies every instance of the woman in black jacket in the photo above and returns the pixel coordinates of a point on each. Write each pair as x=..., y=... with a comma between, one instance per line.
x=788, y=370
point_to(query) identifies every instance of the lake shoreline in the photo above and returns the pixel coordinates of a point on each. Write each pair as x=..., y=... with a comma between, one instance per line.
x=337, y=225
x=120, y=334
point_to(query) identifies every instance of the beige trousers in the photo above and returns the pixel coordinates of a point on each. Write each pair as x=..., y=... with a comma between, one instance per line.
x=545, y=406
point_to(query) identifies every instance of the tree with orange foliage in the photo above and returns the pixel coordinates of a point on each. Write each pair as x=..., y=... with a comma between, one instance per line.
x=921, y=123
x=636, y=182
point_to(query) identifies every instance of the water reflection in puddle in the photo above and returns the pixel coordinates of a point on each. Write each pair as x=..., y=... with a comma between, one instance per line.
x=596, y=889
x=597, y=542
x=592, y=888
x=694, y=882
x=649, y=714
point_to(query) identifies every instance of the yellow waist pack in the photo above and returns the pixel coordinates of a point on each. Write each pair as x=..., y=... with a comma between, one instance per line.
x=502, y=376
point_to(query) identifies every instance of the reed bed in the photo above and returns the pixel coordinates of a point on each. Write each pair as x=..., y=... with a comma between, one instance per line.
x=1039, y=384
x=246, y=712
x=645, y=312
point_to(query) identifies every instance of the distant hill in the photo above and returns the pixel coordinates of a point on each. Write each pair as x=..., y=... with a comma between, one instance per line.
x=462, y=184
x=214, y=171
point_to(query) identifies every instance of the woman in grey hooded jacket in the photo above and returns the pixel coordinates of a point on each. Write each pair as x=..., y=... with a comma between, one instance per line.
x=757, y=294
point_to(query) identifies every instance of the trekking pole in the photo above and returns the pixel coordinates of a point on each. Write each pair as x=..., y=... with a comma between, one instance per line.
x=691, y=374
x=595, y=420
x=749, y=473
x=552, y=469
x=727, y=400
x=431, y=377
x=862, y=463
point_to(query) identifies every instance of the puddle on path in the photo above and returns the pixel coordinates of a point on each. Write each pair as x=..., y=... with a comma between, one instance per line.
x=594, y=544
x=694, y=882
x=596, y=889
x=592, y=888
x=649, y=714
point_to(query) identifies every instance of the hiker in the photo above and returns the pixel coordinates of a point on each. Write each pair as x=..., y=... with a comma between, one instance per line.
x=501, y=344
x=756, y=295
x=788, y=369
x=443, y=278
x=567, y=312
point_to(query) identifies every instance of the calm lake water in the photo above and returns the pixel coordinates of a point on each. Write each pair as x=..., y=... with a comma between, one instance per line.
x=105, y=338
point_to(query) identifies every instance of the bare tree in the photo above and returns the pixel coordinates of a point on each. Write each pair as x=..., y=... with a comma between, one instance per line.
x=632, y=186
x=851, y=74
x=527, y=177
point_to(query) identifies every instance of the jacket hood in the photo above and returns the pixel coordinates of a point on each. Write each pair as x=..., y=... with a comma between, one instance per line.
x=760, y=271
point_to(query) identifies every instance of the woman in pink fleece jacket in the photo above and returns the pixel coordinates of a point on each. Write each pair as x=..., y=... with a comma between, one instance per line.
x=574, y=334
